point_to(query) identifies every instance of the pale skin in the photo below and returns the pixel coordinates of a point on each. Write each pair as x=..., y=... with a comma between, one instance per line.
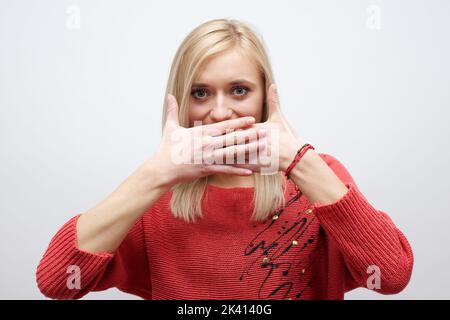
x=225, y=106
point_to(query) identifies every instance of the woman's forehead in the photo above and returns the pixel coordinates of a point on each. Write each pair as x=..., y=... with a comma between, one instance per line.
x=227, y=67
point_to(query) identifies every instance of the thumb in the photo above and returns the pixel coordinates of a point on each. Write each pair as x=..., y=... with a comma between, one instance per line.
x=273, y=102
x=172, y=111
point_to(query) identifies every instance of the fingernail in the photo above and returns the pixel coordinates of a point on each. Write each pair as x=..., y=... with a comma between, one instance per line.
x=250, y=120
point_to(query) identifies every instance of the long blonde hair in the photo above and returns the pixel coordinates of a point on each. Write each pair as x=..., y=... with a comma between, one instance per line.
x=205, y=41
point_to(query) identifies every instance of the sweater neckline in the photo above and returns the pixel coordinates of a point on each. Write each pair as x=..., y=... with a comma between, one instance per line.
x=234, y=197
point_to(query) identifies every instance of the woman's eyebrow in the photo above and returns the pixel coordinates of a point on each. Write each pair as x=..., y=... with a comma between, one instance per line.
x=234, y=82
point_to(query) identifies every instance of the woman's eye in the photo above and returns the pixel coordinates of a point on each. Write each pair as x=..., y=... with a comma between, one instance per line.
x=199, y=93
x=240, y=91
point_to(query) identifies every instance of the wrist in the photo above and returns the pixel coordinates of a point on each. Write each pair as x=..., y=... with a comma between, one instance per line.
x=154, y=176
x=317, y=180
x=306, y=165
x=288, y=156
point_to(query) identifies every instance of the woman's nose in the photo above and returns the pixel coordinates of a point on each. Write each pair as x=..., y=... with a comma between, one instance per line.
x=221, y=111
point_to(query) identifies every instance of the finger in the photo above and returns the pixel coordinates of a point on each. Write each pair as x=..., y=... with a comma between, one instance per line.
x=220, y=128
x=273, y=101
x=240, y=153
x=237, y=137
x=252, y=167
x=172, y=111
x=221, y=168
x=237, y=153
x=251, y=154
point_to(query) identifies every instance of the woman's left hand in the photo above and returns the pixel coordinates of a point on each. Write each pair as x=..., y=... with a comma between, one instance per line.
x=283, y=141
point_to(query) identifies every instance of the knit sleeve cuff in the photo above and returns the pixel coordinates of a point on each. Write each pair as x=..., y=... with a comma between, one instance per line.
x=64, y=258
x=367, y=237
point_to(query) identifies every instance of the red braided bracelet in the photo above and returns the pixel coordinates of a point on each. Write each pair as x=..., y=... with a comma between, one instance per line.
x=300, y=153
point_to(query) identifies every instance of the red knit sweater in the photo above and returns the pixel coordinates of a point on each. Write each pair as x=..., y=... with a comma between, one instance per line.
x=311, y=251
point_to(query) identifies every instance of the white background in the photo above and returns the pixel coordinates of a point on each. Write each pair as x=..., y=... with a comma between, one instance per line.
x=80, y=109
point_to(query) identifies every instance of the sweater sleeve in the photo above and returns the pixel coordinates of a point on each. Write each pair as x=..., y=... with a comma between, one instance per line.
x=370, y=243
x=67, y=272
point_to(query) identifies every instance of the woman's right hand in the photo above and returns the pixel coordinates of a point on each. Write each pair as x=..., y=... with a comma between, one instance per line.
x=176, y=160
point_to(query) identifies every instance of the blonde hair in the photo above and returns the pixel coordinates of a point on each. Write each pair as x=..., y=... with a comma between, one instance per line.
x=205, y=41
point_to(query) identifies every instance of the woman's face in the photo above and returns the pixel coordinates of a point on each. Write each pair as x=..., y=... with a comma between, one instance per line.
x=227, y=86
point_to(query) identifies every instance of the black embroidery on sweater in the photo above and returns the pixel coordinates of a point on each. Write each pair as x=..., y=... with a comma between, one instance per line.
x=263, y=247
x=299, y=295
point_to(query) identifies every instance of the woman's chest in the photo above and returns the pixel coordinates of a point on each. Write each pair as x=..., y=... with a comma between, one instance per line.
x=270, y=260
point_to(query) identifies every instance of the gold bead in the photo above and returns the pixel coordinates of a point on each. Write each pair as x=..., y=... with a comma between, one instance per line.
x=265, y=260
x=303, y=270
x=275, y=217
x=308, y=211
x=295, y=242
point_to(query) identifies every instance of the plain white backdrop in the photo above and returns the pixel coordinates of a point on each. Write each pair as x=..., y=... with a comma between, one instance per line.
x=80, y=108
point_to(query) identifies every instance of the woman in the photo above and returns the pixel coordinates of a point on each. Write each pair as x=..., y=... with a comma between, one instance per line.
x=210, y=230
